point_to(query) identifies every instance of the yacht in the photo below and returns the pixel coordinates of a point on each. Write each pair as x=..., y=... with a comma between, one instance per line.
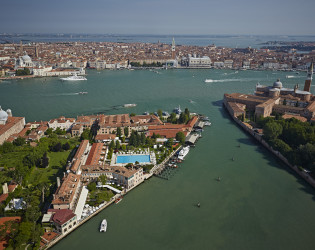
x=183, y=153
x=75, y=77
x=103, y=226
x=178, y=110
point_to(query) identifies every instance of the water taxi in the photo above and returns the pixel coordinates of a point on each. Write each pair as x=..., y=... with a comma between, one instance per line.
x=103, y=226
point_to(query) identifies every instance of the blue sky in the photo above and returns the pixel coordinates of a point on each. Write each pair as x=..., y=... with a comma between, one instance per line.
x=264, y=17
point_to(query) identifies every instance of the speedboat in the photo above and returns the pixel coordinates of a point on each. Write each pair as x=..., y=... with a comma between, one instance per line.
x=130, y=105
x=83, y=93
x=208, y=80
x=75, y=77
x=103, y=226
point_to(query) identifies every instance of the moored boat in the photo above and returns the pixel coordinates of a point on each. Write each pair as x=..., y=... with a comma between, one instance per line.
x=183, y=153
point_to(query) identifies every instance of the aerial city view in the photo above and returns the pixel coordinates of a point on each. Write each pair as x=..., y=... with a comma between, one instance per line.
x=157, y=124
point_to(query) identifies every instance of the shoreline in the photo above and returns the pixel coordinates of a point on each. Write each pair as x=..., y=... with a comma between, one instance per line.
x=302, y=174
x=158, y=167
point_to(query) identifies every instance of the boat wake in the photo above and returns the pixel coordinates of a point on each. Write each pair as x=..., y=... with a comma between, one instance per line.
x=232, y=80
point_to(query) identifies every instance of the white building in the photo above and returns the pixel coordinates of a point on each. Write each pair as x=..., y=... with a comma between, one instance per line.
x=24, y=61
x=199, y=62
x=62, y=123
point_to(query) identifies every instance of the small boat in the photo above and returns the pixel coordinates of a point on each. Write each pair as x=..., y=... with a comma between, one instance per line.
x=83, y=93
x=198, y=205
x=164, y=113
x=118, y=200
x=208, y=80
x=103, y=226
x=146, y=113
x=218, y=179
x=130, y=105
x=207, y=123
x=183, y=153
x=75, y=77
x=289, y=76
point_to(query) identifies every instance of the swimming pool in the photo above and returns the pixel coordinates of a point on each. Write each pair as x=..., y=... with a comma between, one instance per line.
x=133, y=158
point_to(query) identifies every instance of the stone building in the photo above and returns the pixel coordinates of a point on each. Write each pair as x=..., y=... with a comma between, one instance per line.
x=9, y=125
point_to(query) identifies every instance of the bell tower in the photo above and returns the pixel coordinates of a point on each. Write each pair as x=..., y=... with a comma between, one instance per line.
x=308, y=81
x=173, y=49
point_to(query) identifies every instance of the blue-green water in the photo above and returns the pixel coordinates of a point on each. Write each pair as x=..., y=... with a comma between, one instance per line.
x=258, y=204
x=133, y=158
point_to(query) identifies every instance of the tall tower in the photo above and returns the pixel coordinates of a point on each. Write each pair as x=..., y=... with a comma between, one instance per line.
x=173, y=49
x=36, y=51
x=21, y=48
x=308, y=81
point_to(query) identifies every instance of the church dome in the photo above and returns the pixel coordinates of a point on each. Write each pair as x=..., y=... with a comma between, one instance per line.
x=26, y=58
x=277, y=84
x=3, y=115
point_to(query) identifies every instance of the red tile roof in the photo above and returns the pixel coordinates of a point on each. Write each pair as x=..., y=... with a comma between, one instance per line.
x=62, y=216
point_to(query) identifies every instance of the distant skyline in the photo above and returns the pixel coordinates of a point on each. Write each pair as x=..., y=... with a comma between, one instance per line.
x=173, y=17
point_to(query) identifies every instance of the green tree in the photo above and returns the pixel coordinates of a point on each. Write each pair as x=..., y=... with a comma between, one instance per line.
x=92, y=186
x=20, y=141
x=160, y=113
x=272, y=130
x=180, y=136
x=7, y=147
x=126, y=131
x=45, y=160
x=117, y=145
x=49, y=131
x=66, y=146
x=111, y=145
x=103, y=179
x=118, y=133
x=172, y=118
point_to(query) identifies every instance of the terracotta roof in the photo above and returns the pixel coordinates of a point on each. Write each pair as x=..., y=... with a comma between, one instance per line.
x=3, y=197
x=298, y=117
x=95, y=154
x=11, y=121
x=101, y=137
x=62, y=216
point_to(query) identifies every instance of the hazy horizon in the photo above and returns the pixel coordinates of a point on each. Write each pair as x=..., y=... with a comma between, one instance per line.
x=174, y=17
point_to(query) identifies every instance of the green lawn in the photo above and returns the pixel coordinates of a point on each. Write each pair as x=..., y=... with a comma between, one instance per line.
x=12, y=158
x=49, y=174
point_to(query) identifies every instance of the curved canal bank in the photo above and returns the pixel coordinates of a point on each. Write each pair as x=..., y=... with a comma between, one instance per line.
x=258, y=204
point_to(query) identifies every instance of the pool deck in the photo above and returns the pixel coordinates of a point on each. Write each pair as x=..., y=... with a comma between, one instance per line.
x=131, y=153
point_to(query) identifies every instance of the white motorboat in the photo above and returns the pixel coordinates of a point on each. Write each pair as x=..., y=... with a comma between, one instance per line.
x=183, y=153
x=103, y=226
x=288, y=76
x=178, y=111
x=130, y=105
x=75, y=77
x=208, y=80
x=207, y=123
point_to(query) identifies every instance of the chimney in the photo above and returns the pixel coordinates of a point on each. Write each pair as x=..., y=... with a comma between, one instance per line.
x=5, y=188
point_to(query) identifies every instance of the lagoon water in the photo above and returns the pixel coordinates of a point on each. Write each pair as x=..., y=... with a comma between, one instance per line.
x=258, y=204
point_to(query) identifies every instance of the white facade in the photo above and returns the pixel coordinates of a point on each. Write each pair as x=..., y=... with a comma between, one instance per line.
x=62, y=123
x=199, y=62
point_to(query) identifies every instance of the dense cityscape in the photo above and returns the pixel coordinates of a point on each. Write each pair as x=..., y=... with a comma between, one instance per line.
x=157, y=125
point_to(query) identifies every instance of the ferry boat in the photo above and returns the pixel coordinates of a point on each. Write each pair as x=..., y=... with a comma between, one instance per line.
x=130, y=105
x=183, y=153
x=75, y=77
x=103, y=226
